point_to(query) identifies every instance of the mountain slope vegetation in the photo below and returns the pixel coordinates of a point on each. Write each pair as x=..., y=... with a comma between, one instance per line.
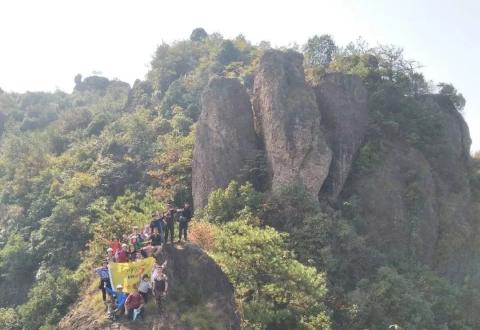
x=77, y=168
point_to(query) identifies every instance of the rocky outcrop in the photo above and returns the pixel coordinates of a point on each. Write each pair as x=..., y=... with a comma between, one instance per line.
x=140, y=95
x=450, y=163
x=191, y=268
x=196, y=285
x=451, y=156
x=225, y=138
x=287, y=118
x=98, y=84
x=417, y=205
x=342, y=100
x=396, y=205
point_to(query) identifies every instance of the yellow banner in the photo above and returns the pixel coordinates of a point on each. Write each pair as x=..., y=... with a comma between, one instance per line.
x=128, y=273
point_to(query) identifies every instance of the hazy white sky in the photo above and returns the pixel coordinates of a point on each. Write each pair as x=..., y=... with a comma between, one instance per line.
x=44, y=44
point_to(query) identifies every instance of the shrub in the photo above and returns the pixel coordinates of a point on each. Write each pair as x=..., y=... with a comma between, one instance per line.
x=9, y=319
x=227, y=204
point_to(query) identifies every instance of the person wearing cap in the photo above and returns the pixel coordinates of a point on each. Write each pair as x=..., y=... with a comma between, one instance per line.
x=121, y=255
x=104, y=279
x=110, y=255
x=120, y=298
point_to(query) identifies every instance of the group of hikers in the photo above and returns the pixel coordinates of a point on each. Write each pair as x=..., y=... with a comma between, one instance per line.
x=136, y=246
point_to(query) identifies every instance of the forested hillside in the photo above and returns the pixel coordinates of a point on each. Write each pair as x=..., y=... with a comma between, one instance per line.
x=388, y=236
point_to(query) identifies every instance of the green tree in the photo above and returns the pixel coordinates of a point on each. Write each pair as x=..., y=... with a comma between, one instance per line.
x=451, y=92
x=49, y=300
x=228, y=53
x=229, y=203
x=9, y=319
x=273, y=289
x=198, y=34
x=319, y=50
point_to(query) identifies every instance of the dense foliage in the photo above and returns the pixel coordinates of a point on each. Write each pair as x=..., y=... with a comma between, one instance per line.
x=273, y=290
x=80, y=167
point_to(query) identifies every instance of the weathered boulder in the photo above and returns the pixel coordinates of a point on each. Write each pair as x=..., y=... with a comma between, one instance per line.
x=191, y=268
x=225, y=138
x=287, y=118
x=197, y=286
x=342, y=100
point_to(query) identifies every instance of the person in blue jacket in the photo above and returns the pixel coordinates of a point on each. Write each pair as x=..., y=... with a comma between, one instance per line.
x=102, y=272
x=120, y=298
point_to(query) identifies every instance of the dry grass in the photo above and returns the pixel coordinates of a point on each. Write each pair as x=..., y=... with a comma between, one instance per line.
x=203, y=234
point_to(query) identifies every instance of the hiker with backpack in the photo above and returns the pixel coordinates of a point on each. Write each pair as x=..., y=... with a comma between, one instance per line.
x=103, y=273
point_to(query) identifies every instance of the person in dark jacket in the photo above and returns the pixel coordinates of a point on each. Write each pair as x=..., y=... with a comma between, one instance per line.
x=158, y=221
x=160, y=287
x=169, y=220
x=186, y=215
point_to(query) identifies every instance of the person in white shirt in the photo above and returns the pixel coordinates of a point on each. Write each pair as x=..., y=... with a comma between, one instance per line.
x=144, y=287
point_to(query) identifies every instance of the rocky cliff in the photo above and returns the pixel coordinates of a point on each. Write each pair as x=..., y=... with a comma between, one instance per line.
x=416, y=204
x=225, y=138
x=342, y=100
x=413, y=204
x=288, y=120
x=285, y=123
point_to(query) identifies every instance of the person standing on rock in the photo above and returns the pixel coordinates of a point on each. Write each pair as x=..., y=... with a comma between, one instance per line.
x=144, y=287
x=160, y=288
x=157, y=222
x=169, y=220
x=104, y=279
x=156, y=240
x=186, y=215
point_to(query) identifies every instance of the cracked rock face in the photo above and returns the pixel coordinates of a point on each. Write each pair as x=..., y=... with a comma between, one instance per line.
x=225, y=138
x=342, y=100
x=288, y=120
